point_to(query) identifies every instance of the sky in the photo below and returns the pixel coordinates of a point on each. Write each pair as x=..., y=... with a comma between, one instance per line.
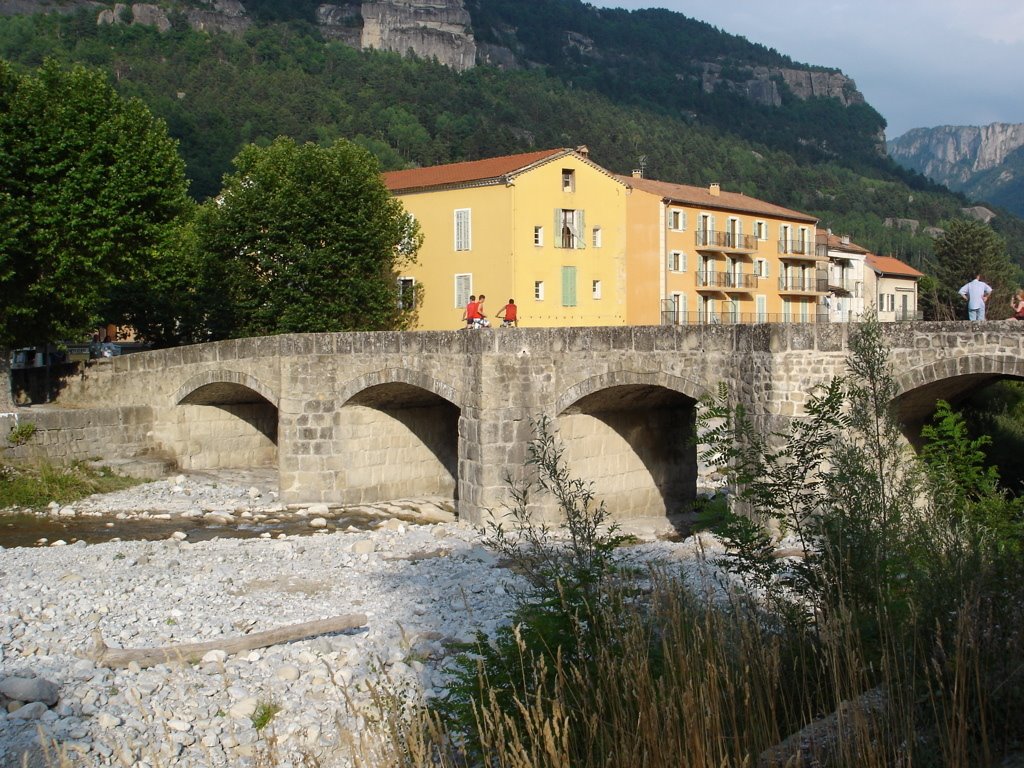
x=920, y=63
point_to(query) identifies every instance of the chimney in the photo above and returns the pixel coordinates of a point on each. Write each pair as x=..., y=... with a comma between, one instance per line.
x=845, y=240
x=638, y=173
x=583, y=150
x=715, y=189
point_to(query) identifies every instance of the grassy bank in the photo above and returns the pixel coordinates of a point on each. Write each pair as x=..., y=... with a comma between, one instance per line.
x=36, y=484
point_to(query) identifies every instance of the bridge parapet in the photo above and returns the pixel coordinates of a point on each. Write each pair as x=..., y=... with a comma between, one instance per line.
x=353, y=417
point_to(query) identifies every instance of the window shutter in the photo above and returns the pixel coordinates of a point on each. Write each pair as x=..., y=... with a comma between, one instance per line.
x=568, y=286
x=556, y=237
x=463, y=288
x=462, y=230
x=581, y=230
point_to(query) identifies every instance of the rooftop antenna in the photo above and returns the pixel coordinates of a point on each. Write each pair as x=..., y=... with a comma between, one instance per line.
x=642, y=162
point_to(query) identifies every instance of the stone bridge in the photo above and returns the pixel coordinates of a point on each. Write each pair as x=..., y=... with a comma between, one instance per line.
x=361, y=417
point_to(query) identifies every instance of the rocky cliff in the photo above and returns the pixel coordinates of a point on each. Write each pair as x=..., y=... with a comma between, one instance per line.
x=985, y=162
x=430, y=29
x=761, y=84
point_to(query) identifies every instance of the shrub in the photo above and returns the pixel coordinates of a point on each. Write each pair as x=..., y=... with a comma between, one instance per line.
x=22, y=432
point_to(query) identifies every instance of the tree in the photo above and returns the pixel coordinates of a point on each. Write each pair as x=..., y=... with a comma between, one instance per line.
x=965, y=249
x=307, y=239
x=91, y=187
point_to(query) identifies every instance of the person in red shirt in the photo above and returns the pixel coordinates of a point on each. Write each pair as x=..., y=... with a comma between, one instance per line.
x=472, y=311
x=509, y=314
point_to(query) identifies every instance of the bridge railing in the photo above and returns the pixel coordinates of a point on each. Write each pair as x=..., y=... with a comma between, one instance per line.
x=670, y=316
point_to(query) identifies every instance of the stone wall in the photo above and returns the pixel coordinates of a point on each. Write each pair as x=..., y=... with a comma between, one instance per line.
x=79, y=435
x=361, y=417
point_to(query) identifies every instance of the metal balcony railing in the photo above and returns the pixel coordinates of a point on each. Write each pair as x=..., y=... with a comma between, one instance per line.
x=727, y=281
x=726, y=317
x=797, y=249
x=803, y=285
x=709, y=238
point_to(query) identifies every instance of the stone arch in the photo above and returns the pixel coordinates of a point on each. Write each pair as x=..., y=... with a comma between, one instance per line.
x=393, y=376
x=223, y=386
x=632, y=435
x=949, y=378
x=397, y=433
x=225, y=419
x=610, y=379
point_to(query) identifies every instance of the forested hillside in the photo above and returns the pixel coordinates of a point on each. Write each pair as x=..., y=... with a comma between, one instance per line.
x=219, y=92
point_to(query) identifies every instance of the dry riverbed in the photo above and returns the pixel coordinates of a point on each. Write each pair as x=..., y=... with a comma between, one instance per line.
x=422, y=579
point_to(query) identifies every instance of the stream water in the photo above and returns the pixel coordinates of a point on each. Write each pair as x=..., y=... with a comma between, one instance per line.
x=29, y=530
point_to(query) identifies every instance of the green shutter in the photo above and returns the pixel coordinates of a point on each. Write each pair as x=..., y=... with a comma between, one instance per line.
x=568, y=286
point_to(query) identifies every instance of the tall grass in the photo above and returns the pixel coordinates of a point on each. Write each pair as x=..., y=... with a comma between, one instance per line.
x=36, y=484
x=896, y=640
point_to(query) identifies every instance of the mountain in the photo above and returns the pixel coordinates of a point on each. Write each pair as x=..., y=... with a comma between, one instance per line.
x=655, y=58
x=985, y=163
x=642, y=89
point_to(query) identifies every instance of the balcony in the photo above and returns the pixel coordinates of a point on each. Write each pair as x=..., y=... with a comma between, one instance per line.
x=796, y=249
x=842, y=284
x=802, y=285
x=729, y=282
x=671, y=317
x=725, y=242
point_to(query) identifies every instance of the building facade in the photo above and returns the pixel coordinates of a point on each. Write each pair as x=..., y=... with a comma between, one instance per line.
x=848, y=296
x=893, y=284
x=547, y=229
x=576, y=245
x=704, y=255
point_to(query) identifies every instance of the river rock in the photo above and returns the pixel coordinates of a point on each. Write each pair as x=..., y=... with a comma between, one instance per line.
x=29, y=689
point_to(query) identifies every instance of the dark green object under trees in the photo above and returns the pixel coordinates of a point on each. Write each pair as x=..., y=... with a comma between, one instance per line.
x=306, y=238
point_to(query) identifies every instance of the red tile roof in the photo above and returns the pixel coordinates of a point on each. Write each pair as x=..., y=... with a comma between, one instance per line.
x=475, y=171
x=888, y=265
x=702, y=197
x=835, y=243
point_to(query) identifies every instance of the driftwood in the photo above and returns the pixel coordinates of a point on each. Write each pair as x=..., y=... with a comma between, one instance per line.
x=189, y=653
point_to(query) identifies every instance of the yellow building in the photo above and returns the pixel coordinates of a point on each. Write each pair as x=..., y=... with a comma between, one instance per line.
x=546, y=228
x=702, y=255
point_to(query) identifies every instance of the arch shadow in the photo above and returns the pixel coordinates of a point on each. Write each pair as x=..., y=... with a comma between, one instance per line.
x=405, y=427
x=227, y=419
x=950, y=379
x=634, y=437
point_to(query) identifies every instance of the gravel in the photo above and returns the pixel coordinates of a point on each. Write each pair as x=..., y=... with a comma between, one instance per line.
x=422, y=587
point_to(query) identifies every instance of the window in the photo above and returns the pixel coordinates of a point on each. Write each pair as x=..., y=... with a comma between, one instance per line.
x=538, y=290
x=406, y=293
x=762, y=309
x=569, y=228
x=761, y=267
x=595, y=239
x=595, y=289
x=538, y=236
x=678, y=308
x=463, y=231
x=568, y=286
x=760, y=230
x=463, y=288
x=677, y=261
x=568, y=180
x=677, y=219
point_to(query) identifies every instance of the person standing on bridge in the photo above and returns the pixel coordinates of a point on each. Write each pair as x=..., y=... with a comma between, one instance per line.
x=976, y=293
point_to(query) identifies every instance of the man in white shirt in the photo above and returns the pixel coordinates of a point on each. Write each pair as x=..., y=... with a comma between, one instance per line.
x=976, y=292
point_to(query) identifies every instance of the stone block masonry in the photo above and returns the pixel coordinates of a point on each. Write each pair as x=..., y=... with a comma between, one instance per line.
x=363, y=417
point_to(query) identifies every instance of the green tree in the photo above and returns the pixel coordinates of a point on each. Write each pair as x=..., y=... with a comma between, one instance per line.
x=91, y=188
x=968, y=248
x=306, y=239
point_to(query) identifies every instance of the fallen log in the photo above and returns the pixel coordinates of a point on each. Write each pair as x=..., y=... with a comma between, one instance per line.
x=188, y=653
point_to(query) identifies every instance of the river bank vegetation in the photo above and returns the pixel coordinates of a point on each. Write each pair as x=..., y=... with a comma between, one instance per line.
x=889, y=633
